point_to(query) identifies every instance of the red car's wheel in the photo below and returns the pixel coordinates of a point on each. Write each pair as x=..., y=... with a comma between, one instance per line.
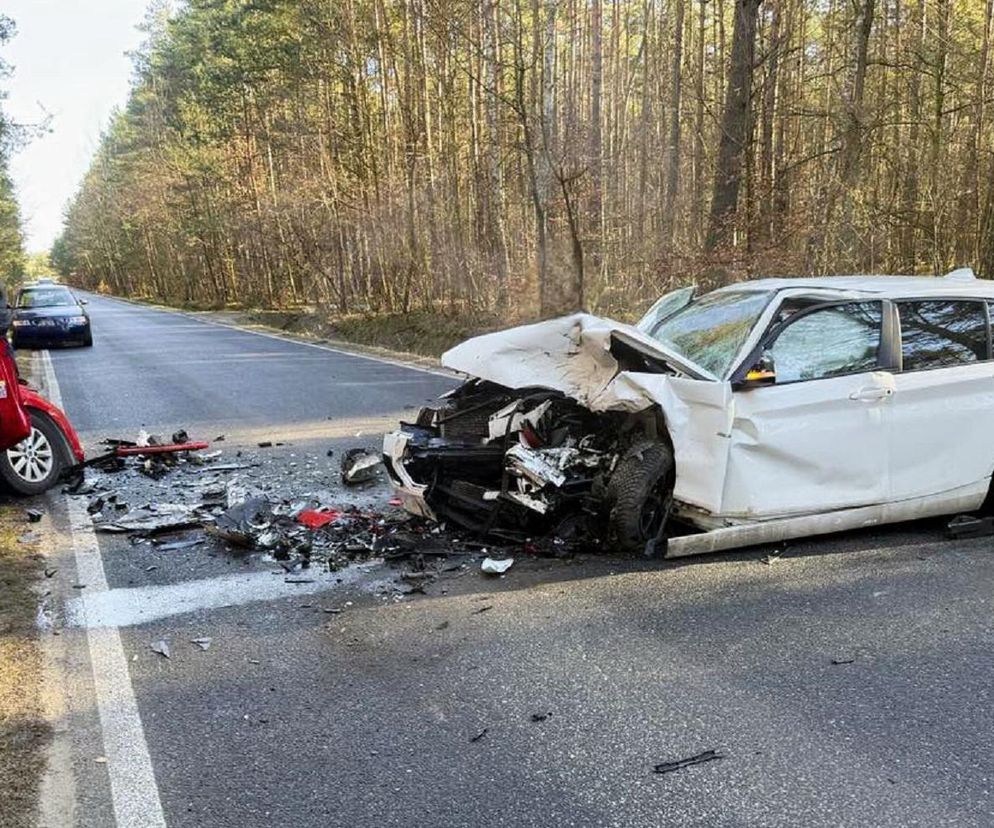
x=36, y=463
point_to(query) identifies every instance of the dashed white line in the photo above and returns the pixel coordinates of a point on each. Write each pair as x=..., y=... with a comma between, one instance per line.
x=134, y=793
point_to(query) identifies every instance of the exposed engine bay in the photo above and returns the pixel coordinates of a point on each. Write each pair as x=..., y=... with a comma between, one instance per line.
x=514, y=463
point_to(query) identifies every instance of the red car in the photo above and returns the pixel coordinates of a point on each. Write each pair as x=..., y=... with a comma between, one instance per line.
x=38, y=444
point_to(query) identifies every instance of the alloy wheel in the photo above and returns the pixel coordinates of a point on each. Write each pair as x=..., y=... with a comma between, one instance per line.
x=33, y=458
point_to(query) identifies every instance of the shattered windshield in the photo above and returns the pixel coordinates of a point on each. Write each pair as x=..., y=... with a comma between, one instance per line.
x=711, y=330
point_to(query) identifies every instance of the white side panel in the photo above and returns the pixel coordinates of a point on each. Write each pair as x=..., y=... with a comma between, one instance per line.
x=956, y=403
x=773, y=531
x=808, y=447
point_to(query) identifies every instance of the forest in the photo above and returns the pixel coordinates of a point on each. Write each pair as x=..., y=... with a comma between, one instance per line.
x=11, y=236
x=521, y=158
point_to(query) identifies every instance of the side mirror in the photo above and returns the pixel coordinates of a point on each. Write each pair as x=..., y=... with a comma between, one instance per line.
x=764, y=372
x=84, y=301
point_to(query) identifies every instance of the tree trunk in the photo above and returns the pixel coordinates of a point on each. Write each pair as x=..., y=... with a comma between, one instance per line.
x=673, y=150
x=735, y=123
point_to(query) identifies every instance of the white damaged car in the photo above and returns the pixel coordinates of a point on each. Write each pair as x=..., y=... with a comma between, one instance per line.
x=761, y=411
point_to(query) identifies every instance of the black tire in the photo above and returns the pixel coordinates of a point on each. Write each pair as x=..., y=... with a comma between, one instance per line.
x=21, y=471
x=640, y=495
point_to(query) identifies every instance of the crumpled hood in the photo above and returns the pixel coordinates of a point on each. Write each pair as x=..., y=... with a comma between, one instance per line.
x=571, y=354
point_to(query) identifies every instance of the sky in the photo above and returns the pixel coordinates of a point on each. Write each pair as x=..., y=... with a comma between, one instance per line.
x=69, y=62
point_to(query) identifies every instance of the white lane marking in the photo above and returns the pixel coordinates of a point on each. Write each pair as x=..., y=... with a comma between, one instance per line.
x=384, y=360
x=134, y=793
x=129, y=606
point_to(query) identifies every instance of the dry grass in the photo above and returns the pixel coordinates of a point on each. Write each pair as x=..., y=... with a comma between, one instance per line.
x=418, y=332
x=23, y=730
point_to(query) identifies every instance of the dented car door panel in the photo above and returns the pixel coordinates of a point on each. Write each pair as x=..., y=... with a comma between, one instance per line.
x=806, y=447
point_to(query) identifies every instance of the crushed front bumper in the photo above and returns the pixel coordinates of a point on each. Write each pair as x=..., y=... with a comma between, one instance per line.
x=492, y=459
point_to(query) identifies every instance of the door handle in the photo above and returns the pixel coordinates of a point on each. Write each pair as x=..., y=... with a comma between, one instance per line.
x=871, y=393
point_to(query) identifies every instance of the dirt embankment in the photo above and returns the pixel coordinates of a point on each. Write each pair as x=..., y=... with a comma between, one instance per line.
x=24, y=732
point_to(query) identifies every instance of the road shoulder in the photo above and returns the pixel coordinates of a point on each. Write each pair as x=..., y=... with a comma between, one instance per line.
x=24, y=729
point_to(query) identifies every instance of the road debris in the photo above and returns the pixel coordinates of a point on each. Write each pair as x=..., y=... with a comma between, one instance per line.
x=34, y=515
x=493, y=566
x=161, y=647
x=843, y=660
x=299, y=519
x=540, y=717
x=360, y=465
x=173, y=546
x=246, y=524
x=480, y=735
x=162, y=517
x=202, y=643
x=968, y=526
x=315, y=519
x=679, y=764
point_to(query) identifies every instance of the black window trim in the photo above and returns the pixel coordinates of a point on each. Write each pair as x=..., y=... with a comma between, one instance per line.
x=983, y=300
x=888, y=358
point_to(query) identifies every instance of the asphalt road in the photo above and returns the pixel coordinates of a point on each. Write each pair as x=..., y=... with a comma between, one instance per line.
x=847, y=683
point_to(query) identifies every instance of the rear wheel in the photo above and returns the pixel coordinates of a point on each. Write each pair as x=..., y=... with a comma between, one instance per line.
x=641, y=495
x=35, y=464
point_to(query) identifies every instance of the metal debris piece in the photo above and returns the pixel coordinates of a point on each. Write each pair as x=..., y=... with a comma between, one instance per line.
x=34, y=515
x=164, y=517
x=480, y=735
x=161, y=647
x=679, y=764
x=844, y=660
x=493, y=566
x=540, y=717
x=172, y=546
x=482, y=610
x=202, y=643
x=360, y=465
x=968, y=526
x=242, y=523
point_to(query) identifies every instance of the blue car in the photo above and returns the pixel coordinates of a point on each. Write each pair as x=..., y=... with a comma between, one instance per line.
x=48, y=314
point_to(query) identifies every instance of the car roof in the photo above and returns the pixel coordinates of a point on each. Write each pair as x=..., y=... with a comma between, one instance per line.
x=957, y=283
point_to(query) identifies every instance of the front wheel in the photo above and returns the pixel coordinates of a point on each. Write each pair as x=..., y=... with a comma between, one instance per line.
x=35, y=464
x=640, y=494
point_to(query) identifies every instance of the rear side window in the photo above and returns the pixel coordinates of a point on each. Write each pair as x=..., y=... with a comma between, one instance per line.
x=830, y=342
x=938, y=333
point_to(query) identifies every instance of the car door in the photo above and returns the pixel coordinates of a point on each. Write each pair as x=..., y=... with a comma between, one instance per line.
x=814, y=440
x=942, y=434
